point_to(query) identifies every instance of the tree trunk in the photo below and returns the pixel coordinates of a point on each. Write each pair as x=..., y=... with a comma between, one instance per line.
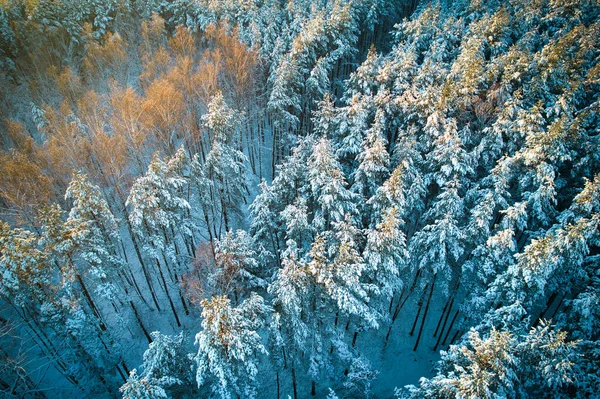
x=90, y=301
x=420, y=305
x=294, y=385
x=162, y=277
x=130, y=271
x=121, y=373
x=558, y=306
x=446, y=308
x=139, y=320
x=450, y=328
x=400, y=304
x=437, y=343
x=144, y=270
x=456, y=334
x=425, y=314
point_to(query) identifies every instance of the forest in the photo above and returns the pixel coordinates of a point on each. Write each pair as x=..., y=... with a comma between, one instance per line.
x=287, y=199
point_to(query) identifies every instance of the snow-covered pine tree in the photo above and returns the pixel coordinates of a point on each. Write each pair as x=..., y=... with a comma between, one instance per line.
x=159, y=216
x=293, y=294
x=291, y=290
x=225, y=164
x=295, y=218
x=343, y=276
x=166, y=369
x=98, y=245
x=159, y=210
x=502, y=363
x=237, y=269
x=386, y=255
x=264, y=225
x=229, y=344
x=138, y=387
x=328, y=186
x=373, y=166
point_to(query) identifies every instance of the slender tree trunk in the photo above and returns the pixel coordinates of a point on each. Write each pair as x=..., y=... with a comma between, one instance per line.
x=400, y=304
x=420, y=306
x=164, y=282
x=437, y=343
x=30, y=386
x=124, y=365
x=130, y=272
x=294, y=384
x=425, y=314
x=144, y=268
x=450, y=328
x=47, y=346
x=183, y=303
x=90, y=301
x=224, y=210
x=354, y=338
x=139, y=320
x=274, y=152
x=558, y=306
x=439, y=323
x=168, y=267
x=284, y=357
x=456, y=335
x=210, y=234
x=121, y=373
x=136, y=247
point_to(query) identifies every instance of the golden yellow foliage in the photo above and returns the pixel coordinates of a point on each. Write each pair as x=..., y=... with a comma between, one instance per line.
x=155, y=64
x=69, y=85
x=183, y=43
x=109, y=55
x=163, y=106
x=23, y=184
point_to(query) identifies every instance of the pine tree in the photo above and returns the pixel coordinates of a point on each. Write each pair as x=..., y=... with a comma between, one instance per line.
x=385, y=253
x=238, y=270
x=26, y=276
x=229, y=344
x=328, y=186
x=548, y=359
x=352, y=127
x=100, y=232
x=264, y=225
x=141, y=388
x=503, y=364
x=440, y=244
x=291, y=290
x=405, y=188
x=364, y=80
x=342, y=277
x=225, y=165
x=158, y=212
x=166, y=368
x=360, y=377
x=373, y=164
x=157, y=206
x=295, y=217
